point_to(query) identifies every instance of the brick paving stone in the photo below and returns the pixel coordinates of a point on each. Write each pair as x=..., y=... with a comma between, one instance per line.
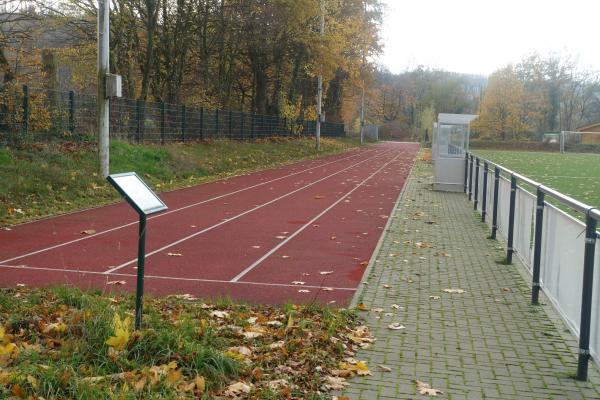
x=487, y=342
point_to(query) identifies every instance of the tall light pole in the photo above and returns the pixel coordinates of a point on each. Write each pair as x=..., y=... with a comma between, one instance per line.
x=362, y=113
x=320, y=85
x=102, y=99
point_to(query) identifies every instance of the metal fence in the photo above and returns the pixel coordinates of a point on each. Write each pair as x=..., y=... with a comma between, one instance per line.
x=557, y=249
x=39, y=114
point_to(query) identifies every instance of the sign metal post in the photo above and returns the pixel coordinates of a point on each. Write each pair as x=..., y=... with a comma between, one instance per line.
x=145, y=202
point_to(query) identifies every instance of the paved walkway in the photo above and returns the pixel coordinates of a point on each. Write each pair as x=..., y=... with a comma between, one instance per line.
x=485, y=343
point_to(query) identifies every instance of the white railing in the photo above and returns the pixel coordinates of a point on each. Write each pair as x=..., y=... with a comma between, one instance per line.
x=557, y=249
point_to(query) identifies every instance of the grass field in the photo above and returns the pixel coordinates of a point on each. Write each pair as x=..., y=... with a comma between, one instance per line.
x=44, y=179
x=576, y=175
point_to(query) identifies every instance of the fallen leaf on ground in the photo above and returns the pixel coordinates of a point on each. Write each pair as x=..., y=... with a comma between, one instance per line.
x=88, y=232
x=434, y=297
x=319, y=197
x=505, y=289
x=237, y=388
x=326, y=272
x=454, y=290
x=219, y=314
x=334, y=383
x=116, y=282
x=121, y=329
x=396, y=307
x=362, y=307
x=426, y=389
x=303, y=291
x=175, y=254
x=298, y=283
x=384, y=368
x=396, y=326
x=280, y=237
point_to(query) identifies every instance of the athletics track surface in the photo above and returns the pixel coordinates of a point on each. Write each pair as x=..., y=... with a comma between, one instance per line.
x=251, y=237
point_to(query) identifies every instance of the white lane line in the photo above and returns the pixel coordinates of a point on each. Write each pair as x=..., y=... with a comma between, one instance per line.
x=174, y=278
x=309, y=223
x=207, y=229
x=171, y=211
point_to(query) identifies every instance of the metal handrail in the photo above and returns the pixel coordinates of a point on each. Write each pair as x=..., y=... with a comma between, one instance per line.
x=575, y=204
x=592, y=216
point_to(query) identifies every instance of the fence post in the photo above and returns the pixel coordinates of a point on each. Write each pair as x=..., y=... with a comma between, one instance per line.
x=537, y=249
x=138, y=120
x=162, y=122
x=476, y=195
x=486, y=169
x=242, y=125
x=466, y=170
x=229, y=128
x=183, y=123
x=495, y=205
x=72, y=112
x=217, y=122
x=25, y=110
x=586, y=297
x=201, y=123
x=511, y=218
x=471, y=177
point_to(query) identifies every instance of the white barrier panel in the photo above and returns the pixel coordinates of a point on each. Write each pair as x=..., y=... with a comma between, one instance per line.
x=480, y=189
x=561, y=272
x=525, y=206
x=595, y=327
x=562, y=252
x=503, y=206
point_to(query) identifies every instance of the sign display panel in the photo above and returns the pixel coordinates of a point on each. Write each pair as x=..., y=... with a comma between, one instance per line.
x=137, y=193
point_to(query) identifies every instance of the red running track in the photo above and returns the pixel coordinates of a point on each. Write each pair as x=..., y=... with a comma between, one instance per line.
x=253, y=237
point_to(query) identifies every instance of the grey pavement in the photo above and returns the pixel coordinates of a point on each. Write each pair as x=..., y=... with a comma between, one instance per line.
x=486, y=343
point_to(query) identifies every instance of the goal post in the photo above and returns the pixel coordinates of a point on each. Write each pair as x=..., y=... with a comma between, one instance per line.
x=579, y=142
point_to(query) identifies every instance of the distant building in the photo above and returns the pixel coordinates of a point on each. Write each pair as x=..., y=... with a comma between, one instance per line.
x=589, y=138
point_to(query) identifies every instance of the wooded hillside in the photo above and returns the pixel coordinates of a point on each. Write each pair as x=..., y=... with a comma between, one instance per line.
x=248, y=55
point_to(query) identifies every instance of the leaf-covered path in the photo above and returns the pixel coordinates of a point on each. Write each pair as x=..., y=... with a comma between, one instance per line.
x=483, y=341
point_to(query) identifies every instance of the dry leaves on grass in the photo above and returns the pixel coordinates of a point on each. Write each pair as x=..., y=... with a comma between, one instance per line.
x=296, y=352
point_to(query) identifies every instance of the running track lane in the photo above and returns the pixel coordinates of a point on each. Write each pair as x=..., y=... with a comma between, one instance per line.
x=249, y=237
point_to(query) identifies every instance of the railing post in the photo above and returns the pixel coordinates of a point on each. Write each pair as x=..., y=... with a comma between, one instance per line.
x=586, y=297
x=476, y=195
x=201, y=123
x=484, y=191
x=183, y=123
x=537, y=249
x=466, y=170
x=25, y=110
x=162, y=122
x=217, y=122
x=72, y=112
x=471, y=177
x=511, y=218
x=495, y=205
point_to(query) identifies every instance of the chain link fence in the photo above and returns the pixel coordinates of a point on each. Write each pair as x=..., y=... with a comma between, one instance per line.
x=28, y=114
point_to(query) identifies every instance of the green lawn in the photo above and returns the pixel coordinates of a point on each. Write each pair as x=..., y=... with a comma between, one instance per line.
x=576, y=175
x=43, y=179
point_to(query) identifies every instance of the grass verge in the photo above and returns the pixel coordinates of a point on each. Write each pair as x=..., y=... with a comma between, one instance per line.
x=46, y=179
x=65, y=343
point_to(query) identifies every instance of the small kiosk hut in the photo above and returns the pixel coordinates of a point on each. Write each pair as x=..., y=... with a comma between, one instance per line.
x=449, y=145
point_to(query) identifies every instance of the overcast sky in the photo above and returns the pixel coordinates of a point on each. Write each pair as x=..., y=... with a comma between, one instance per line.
x=480, y=36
